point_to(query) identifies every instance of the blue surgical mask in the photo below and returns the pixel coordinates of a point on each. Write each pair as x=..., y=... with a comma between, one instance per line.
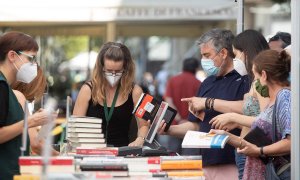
x=209, y=67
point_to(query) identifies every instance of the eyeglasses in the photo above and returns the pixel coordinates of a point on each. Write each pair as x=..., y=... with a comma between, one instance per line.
x=31, y=58
x=113, y=73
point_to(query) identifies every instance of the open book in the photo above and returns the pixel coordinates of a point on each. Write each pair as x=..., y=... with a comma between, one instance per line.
x=147, y=109
x=196, y=139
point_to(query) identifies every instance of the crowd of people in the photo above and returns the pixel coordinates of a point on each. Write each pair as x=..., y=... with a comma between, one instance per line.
x=247, y=88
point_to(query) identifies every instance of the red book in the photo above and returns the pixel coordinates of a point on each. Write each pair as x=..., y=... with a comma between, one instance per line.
x=97, y=151
x=37, y=160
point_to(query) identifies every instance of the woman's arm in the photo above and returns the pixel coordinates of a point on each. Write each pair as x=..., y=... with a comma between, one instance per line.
x=222, y=120
x=179, y=130
x=143, y=125
x=82, y=101
x=279, y=148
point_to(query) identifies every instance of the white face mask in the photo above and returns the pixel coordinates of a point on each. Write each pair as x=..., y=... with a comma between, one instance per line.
x=113, y=79
x=27, y=72
x=239, y=66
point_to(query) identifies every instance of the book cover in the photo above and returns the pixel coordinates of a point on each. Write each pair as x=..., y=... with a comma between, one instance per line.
x=147, y=108
x=196, y=139
x=258, y=137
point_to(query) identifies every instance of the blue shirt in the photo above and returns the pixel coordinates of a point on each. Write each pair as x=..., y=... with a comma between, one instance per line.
x=230, y=87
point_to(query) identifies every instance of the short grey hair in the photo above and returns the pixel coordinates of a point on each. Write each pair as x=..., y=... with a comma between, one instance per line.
x=219, y=38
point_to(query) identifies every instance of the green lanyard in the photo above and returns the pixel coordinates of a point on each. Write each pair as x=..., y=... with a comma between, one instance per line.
x=107, y=114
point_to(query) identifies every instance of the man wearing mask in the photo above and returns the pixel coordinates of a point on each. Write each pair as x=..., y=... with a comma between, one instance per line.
x=223, y=82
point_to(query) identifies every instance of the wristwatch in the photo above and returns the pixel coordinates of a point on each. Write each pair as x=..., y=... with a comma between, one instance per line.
x=262, y=155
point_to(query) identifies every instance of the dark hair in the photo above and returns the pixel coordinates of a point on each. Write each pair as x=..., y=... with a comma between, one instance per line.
x=284, y=37
x=277, y=65
x=190, y=65
x=250, y=42
x=219, y=38
x=16, y=41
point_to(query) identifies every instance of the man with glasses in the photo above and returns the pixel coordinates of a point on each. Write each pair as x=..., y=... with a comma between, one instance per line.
x=280, y=41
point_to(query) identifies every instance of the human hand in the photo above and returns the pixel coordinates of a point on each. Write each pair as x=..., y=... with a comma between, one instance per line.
x=223, y=121
x=248, y=149
x=217, y=131
x=41, y=117
x=161, y=128
x=139, y=141
x=196, y=104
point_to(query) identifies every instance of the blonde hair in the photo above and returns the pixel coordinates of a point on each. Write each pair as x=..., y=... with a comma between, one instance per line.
x=33, y=90
x=115, y=52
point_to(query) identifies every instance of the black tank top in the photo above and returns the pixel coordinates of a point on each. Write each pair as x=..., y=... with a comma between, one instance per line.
x=118, y=126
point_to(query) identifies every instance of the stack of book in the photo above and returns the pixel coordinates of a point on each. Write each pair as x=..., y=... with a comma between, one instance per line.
x=85, y=132
x=182, y=166
x=34, y=165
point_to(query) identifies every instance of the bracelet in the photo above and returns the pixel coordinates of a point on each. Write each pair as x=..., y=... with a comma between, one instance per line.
x=212, y=103
x=207, y=103
x=262, y=155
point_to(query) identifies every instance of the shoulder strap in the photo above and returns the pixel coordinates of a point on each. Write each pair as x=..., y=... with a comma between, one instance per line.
x=274, y=138
x=89, y=83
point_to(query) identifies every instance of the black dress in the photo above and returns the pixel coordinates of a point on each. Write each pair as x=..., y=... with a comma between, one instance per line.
x=118, y=126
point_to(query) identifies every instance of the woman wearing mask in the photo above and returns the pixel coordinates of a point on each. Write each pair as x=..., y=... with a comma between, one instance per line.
x=32, y=92
x=111, y=95
x=17, y=63
x=246, y=46
x=271, y=70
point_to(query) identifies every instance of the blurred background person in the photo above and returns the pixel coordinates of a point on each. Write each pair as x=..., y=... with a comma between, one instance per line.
x=280, y=41
x=112, y=94
x=147, y=84
x=181, y=86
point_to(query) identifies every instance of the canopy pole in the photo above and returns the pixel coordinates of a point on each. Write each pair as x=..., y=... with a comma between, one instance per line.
x=295, y=67
x=240, y=17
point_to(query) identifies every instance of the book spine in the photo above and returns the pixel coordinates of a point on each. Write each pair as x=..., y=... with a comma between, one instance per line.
x=97, y=152
x=186, y=164
x=104, y=167
x=33, y=162
x=184, y=173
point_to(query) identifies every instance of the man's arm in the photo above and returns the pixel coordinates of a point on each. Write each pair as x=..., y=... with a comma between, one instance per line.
x=181, y=129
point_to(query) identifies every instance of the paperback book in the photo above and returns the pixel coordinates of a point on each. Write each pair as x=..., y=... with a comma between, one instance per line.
x=147, y=108
x=196, y=139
